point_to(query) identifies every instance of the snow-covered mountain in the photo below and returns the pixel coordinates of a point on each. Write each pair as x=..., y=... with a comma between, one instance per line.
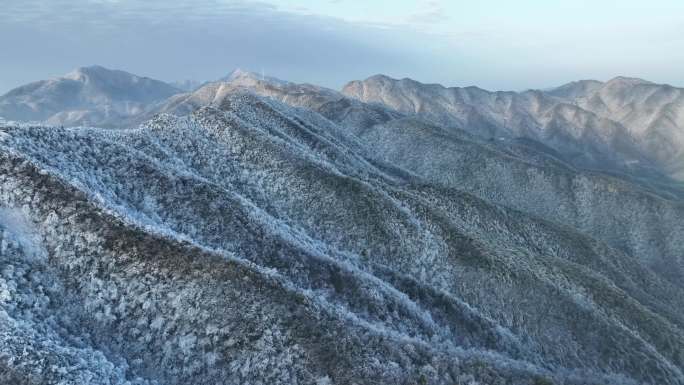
x=213, y=93
x=653, y=114
x=260, y=231
x=623, y=125
x=329, y=103
x=590, y=124
x=358, y=116
x=86, y=96
x=255, y=242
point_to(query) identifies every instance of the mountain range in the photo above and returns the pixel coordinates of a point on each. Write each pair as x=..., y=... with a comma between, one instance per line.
x=254, y=230
x=621, y=125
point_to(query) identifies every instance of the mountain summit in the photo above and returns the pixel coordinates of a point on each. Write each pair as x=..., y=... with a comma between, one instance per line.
x=238, y=75
x=86, y=96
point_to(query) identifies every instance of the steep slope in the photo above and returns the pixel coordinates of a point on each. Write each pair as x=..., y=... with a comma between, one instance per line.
x=623, y=214
x=89, y=95
x=579, y=136
x=259, y=243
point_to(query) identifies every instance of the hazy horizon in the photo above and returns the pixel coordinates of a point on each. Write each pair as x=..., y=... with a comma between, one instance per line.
x=494, y=44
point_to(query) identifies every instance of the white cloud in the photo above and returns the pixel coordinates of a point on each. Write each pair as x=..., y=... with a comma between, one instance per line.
x=429, y=12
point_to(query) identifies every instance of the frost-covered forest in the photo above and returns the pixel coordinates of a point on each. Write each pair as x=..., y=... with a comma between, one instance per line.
x=255, y=241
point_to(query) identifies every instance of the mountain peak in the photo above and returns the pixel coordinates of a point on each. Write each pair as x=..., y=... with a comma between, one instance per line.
x=579, y=88
x=627, y=81
x=239, y=74
x=380, y=77
x=388, y=79
x=582, y=83
x=85, y=96
x=406, y=82
x=82, y=73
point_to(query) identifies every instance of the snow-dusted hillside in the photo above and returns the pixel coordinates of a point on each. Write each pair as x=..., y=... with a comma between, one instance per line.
x=255, y=242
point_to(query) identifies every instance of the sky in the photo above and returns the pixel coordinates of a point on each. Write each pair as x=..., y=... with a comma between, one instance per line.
x=494, y=44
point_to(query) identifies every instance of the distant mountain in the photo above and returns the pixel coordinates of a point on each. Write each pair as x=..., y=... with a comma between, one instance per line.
x=87, y=96
x=213, y=93
x=652, y=113
x=596, y=148
x=575, y=89
x=253, y=242
x=583, y=137
x=624, y=125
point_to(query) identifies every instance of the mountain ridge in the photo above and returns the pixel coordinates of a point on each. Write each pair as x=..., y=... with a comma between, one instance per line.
x=254, y=241
x=531, y=113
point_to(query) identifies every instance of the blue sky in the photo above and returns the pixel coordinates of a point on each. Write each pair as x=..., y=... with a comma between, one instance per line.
x=495, y=44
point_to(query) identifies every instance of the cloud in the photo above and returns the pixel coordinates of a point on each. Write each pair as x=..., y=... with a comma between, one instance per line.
x=495, y=44
x=200, y=40
x=44, y=12
x=429, y=12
